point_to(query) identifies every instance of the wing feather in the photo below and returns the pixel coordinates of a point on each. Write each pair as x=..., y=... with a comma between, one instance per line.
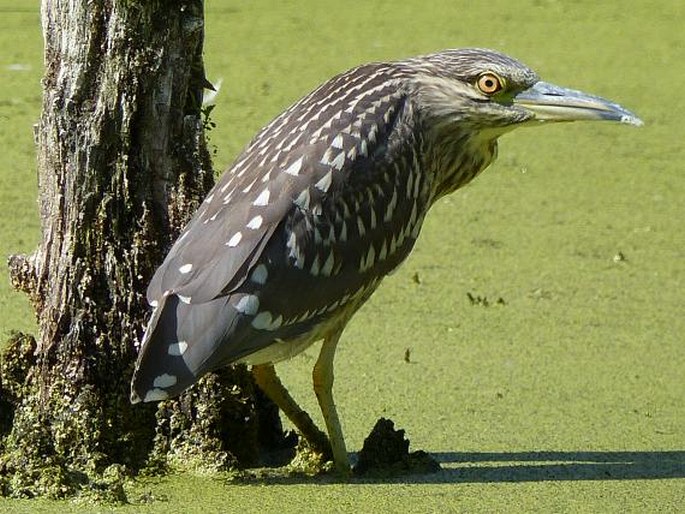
x=322, y=134
x=335, y=150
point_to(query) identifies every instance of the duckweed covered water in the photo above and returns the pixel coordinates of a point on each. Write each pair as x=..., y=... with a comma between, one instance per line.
x=565, y=396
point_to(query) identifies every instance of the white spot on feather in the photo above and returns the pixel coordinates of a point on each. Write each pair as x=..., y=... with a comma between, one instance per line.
x=262, y=321
x=294, y=168
x=265, y=321
x=343, y=232
x=295, y=251
x=371, y=257
x=303, y=317
x=339, y=161
x=255, y=222
x=263, y=198
x=184, y=299
x=248, y=304
x=155, y=395
x=363, y=149
x=360, y=226
x=186, y=268
x=327, y=268
x=325, y=182
x=302, y=201
x=235, y=239
x=393, y=244
x=410, y=184
x=326, y=158
x=383, y=252
x=177, y=349
x=338, y=142
x=260, y=275
x=165, y=380
x=390, y=211
x=276, y=323
x=401, y=236
x=372, y=133
x=314, y=270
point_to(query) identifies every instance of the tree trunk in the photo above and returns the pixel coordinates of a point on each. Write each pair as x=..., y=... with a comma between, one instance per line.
x=122, y=165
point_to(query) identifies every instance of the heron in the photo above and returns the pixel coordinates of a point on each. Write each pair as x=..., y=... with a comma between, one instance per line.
x=322, y=204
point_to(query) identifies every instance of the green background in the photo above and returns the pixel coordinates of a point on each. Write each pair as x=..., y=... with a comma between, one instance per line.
x=566, y=398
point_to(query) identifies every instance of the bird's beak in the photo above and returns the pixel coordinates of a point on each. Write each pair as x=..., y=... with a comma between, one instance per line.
x=547, y=102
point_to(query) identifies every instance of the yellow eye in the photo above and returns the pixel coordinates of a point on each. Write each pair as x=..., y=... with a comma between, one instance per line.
x=489, y=83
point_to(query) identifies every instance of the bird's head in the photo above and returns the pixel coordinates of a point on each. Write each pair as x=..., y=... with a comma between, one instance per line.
x=467, y=98
x=488, y=91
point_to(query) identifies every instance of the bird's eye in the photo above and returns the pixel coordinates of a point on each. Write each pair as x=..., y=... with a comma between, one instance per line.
x=489, y=83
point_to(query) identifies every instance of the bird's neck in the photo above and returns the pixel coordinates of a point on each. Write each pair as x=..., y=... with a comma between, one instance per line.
x=455, y=158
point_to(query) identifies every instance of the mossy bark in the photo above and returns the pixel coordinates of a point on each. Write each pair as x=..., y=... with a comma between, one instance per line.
x=122, y=164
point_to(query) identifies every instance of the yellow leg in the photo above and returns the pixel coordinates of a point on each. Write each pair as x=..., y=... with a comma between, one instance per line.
x=268, y=381
x=323, y=387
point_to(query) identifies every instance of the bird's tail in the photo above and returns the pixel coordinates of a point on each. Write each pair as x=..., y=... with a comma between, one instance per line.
x=178, y=346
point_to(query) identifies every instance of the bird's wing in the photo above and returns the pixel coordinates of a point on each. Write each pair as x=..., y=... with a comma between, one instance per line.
x=290, y=164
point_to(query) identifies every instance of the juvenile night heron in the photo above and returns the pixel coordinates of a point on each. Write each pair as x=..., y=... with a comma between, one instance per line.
x=323, y=203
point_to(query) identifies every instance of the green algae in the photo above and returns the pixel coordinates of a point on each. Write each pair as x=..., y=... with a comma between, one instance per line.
x=586, y=354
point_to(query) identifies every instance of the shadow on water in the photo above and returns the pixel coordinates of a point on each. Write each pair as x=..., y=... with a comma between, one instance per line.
x=513, y=467
x=546, y=466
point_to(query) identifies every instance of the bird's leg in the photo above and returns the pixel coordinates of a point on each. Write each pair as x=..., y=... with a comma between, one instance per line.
x=323, y=387
x=268, y=381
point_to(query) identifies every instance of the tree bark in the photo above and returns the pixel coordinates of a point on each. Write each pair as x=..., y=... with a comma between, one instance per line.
x=122, y=164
